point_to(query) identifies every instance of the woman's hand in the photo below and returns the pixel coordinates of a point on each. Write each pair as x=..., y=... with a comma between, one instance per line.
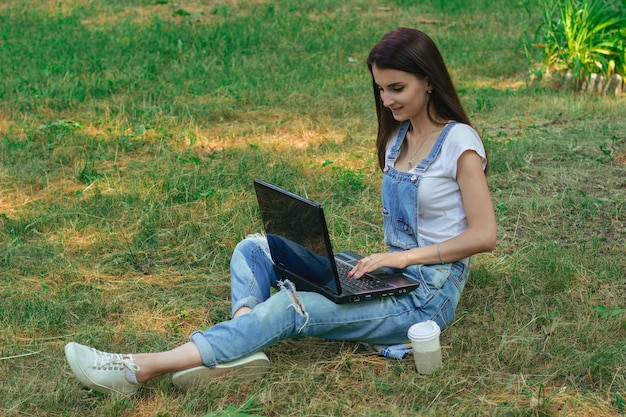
x=375, y=261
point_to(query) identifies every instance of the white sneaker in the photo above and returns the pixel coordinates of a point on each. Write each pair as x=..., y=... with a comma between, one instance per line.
x=101, y=371
x=246, y=369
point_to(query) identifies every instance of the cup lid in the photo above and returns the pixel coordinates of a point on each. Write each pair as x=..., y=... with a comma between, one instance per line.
x=424, y=331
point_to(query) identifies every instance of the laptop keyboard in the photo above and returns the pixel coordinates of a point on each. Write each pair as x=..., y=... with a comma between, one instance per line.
x=365, y=283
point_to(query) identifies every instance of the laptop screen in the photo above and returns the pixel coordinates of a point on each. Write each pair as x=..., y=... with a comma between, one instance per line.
x=297, y=234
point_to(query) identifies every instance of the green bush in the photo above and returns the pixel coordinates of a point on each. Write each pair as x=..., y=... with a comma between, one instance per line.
x=582, y=37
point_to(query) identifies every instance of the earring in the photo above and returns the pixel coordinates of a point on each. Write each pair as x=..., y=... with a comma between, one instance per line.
x=429, y=91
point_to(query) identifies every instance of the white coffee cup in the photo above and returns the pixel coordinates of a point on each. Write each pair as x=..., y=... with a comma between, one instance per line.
x=424, y=338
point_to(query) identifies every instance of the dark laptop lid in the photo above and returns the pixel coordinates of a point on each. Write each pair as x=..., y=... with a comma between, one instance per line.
x=297, y=235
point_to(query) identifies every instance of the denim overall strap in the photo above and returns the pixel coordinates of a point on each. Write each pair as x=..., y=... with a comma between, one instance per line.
x=395, y=149
x=435, y=151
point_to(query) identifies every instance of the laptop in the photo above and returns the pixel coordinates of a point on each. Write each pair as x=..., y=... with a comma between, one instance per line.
x=301, y=251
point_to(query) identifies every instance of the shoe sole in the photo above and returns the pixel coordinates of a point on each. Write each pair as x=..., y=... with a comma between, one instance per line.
x=246, y=369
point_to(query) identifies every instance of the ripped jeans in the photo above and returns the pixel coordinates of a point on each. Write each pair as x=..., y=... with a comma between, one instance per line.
x=291, y=314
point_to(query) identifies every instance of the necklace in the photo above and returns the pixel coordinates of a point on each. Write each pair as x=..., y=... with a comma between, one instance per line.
x=426, y=136
x=410, y=161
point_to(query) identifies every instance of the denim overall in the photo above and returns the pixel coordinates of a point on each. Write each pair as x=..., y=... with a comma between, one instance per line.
x=401, y=226
x=296, y=314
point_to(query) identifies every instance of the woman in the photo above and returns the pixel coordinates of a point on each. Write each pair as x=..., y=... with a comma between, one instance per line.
x=437, y=213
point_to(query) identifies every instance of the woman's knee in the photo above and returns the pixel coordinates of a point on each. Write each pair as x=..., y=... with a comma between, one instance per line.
x=251, y=243
x=247, y=252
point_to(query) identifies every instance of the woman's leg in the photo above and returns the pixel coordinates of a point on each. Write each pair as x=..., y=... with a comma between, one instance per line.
x=152, y=365
x=251, y=274
x=291, y=314
x=232, y=345
x=268, y=320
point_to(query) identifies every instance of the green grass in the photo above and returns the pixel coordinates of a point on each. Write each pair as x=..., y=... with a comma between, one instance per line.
x=130, y=132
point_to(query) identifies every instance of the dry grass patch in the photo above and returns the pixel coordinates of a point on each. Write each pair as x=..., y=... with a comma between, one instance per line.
x=5, y=124
x=202, y=12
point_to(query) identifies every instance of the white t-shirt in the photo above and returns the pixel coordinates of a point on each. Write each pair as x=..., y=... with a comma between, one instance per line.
x=441, y=211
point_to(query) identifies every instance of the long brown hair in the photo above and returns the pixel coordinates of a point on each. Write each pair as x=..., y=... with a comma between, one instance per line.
x=412, y=51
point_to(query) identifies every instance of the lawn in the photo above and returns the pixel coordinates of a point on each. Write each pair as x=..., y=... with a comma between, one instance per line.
x=130, y=132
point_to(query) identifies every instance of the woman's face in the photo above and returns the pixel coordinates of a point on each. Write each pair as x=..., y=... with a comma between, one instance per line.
x=403, y=93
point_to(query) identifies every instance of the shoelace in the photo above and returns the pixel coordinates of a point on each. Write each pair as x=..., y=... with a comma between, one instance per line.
x=112, y=361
